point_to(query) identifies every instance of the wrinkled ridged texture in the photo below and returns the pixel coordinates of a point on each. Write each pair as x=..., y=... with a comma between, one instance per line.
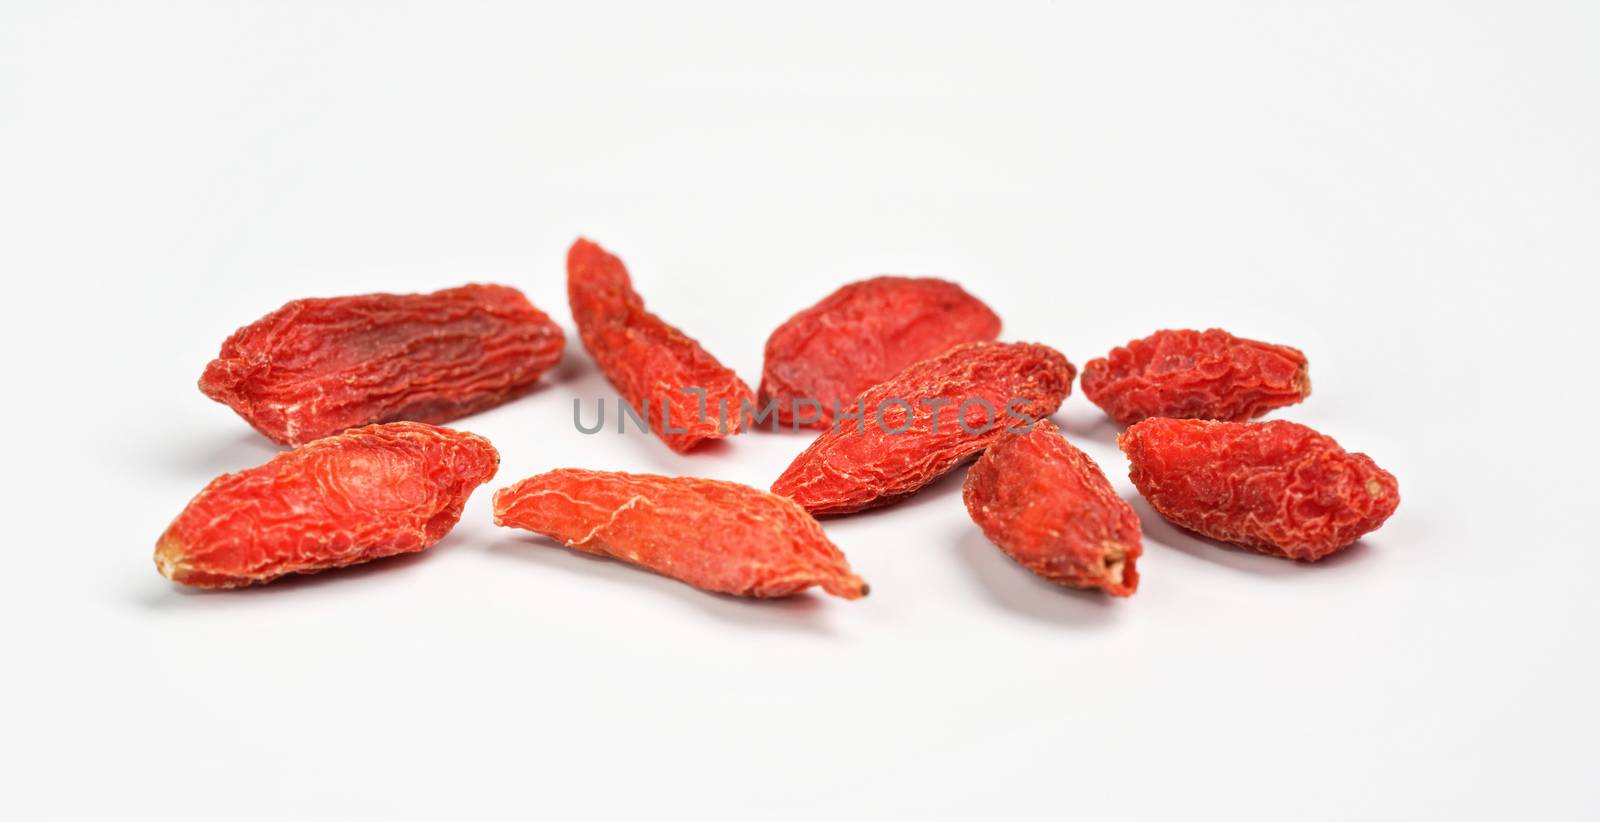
x=853, y=466
x=367, y=493
x=646, y=359
x=863, y=334
x=717, y=536
x=1048, y=506
x=1276, y=487
x=317, y=367
x=1209, y=375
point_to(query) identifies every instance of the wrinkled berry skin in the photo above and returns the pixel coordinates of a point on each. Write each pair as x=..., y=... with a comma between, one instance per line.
x=1276, y=487
x=717, y=536
x=857, y=465
x=317, y=367
x=863, y=334
x=646, y=359
x=1209, y=375
x=367, y=493
x=1049, y=507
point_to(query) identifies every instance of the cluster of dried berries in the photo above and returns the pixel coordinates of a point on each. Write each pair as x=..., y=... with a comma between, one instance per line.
x=903, y=373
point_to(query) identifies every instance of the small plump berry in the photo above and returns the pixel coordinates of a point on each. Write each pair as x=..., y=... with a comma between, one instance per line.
x=1208, y=375
x=370, y=492
x=861, y=335
x=1276, y=487
x=1049, y=507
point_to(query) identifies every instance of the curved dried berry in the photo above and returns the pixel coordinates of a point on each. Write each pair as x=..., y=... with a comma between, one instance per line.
x=863, y=334
x=652, y=364
x=317, y=367
x=367, y=493
x=924, y=421
x=717, y=536
x=1209, y=375
x=1048, y=506
x=1276, y=487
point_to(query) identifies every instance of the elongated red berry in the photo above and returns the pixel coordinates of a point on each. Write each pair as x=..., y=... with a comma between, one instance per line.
x=367, y=493
x=1048, y=506
x=1276, y=487
x=1209, y=375
x=685, y=394
x=317, y=367
x=919, y=424
x=714, y=535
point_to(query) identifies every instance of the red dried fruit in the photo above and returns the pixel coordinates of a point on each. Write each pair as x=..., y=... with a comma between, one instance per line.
x=861, y=335
x=1210, y=375
x=910, y=431
x=367, y=493
x=1276, y=487
x=317, y=367
x=1048, y=506
x=717, y=536
x=648, y=361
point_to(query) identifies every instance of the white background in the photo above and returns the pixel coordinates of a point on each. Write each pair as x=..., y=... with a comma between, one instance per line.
x=1406, y=191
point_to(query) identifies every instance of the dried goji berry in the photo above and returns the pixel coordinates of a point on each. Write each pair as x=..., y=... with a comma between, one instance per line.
x=861, y=335
x=924, y=421
x=317, y=367
x=367, y=493
x=717, y=536
x=656, y=368
x=1209, y=375
x=1048, y=506
x=1277, y=487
